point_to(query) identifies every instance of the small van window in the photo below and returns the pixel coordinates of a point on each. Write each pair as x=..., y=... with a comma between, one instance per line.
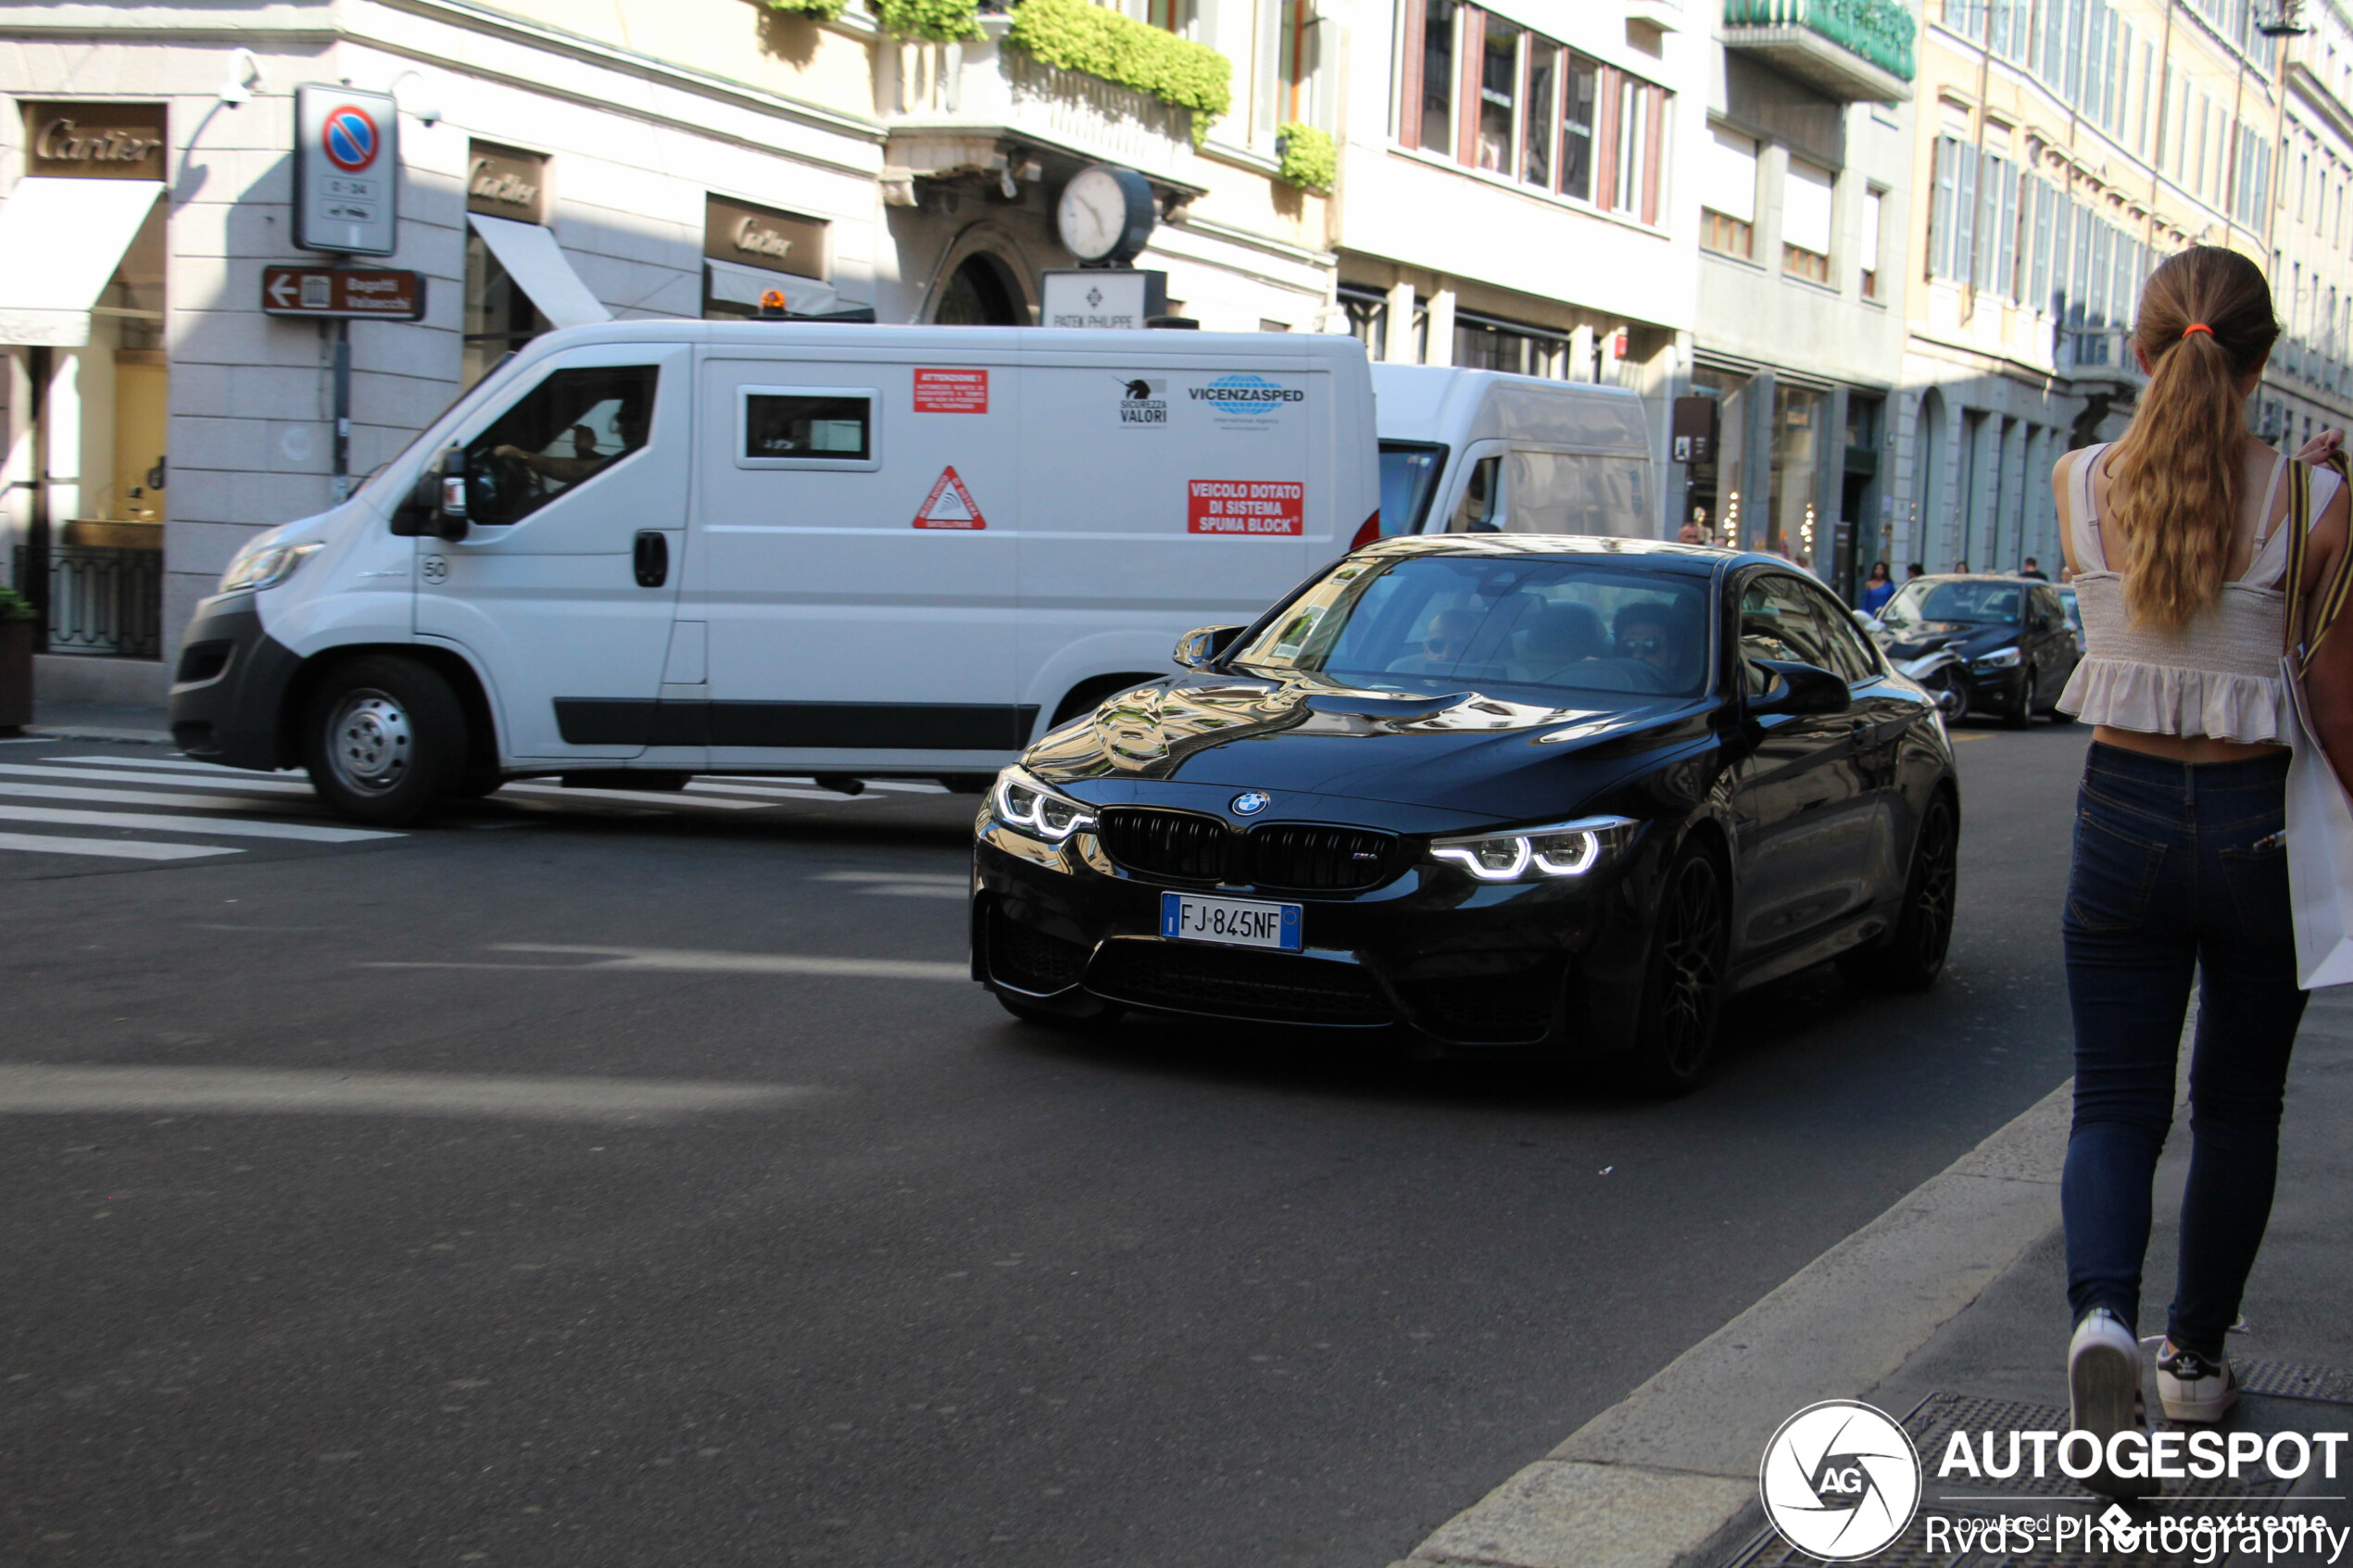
x=1482, y=500
x=806, y=427
x=569, y=426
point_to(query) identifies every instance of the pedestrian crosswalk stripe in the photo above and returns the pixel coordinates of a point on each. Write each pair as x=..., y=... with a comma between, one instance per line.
x=100, y=775
x=783, y=792
x=182, y=765
x=641, y=797
x=114, y=848
x=133, y=797
x=229, y=827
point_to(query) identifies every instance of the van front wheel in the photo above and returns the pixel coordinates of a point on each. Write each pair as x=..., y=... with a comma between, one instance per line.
x=385, y=739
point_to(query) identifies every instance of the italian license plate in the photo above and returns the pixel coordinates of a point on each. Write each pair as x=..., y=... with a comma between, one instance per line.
x=1238, y=923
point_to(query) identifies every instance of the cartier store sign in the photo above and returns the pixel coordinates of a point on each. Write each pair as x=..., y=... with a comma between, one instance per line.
x=94, y=141
x=505, y=183
x=759, y=236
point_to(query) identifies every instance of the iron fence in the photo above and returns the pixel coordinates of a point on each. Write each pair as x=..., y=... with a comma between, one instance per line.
x=102, y=598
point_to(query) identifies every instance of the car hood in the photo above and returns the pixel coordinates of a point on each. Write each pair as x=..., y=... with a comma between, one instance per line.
x=1968, y=638
x=1460, y=757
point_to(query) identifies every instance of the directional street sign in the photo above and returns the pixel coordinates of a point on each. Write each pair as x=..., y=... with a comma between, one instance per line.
x=347, y=169
x=372, y=294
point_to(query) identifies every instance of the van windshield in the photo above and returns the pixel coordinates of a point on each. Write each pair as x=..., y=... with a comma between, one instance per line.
x=1409, y=472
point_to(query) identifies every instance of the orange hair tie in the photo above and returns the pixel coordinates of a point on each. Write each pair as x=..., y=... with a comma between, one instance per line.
x=2198, y=327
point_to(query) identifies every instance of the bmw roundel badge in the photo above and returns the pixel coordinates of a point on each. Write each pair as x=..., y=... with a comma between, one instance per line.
x=1250, y=802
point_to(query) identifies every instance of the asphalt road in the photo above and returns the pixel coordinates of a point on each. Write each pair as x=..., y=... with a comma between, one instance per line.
x=597, y=1181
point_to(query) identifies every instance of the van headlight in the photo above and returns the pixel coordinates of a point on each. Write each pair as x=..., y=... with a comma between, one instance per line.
x=1026, y=805
x=1545, y=854
x=265, y=567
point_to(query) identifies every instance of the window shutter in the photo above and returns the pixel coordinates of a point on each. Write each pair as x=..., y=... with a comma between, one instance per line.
x=1605, y=142
x=1470, y=57
x=1654, y=153
x=1410, y=22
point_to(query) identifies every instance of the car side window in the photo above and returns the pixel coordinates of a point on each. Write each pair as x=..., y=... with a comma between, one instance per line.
x=1850, y=655
x=562, y=434
x=1777, y=621
x=1482, y=504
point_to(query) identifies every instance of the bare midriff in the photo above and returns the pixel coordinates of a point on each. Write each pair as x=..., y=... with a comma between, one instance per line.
x=2184, y=748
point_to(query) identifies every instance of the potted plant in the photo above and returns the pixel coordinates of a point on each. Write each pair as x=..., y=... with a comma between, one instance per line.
x=16, y=619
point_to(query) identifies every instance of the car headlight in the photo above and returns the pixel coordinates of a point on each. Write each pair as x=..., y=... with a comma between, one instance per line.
x=1026, y=805
x=2000, y=658
x=265, y=568
x=1563, y=849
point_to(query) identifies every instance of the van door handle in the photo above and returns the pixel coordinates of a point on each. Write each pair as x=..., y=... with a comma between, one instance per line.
x=652, y=558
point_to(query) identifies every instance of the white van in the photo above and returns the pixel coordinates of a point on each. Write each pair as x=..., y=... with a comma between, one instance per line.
x=656, y=548
x=1482, y=452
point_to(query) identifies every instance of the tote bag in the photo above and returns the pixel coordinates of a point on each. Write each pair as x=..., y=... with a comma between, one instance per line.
x=2319, y=814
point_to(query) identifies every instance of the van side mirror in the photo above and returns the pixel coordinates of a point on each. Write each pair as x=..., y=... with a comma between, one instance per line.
x=1198, y=647
x=1799, y=688
x=436, y=503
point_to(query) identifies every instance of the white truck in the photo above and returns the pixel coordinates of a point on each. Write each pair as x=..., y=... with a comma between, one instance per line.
x=642, y=550
x=1465, y=451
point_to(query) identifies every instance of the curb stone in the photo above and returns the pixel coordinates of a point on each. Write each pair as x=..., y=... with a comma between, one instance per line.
x=1667, y=1477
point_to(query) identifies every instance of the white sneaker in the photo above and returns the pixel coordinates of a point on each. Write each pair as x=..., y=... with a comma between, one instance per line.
x=2192, y=1389
x=2104, y=1393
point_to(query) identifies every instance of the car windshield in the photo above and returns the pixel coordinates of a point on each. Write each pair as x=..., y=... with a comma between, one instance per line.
x=1439, y=622
x=1989, y=604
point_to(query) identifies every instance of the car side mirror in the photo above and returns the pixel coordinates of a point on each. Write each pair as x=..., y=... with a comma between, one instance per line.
x=1867, y=621
x=1799, y=688
x=436, y=503
x=1198, y=647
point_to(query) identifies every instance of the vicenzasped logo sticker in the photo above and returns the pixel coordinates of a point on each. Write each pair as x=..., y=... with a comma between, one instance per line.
x=1245, y=401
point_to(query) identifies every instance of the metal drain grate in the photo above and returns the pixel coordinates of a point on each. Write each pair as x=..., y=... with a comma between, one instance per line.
x=2286, y=1380
x=1932, y=1425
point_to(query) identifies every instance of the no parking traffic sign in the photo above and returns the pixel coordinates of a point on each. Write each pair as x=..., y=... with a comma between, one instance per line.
x=346, y=171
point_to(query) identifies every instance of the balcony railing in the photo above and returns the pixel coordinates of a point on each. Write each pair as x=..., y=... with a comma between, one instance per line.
x=948, y=103
x=101, y=599
x=1806, y=38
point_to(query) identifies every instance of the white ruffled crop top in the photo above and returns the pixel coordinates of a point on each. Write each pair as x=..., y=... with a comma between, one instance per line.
x=2218, y=676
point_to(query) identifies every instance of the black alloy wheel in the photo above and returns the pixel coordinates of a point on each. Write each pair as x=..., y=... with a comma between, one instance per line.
x=1951, y=689
x=2023, y=705
x=1684, y=982
x=1914, y=954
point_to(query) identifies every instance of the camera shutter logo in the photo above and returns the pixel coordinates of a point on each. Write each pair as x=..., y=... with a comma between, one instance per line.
x=1840, y=1480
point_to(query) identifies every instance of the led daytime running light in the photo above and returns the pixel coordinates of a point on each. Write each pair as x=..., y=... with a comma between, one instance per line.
x=1028, y=806
x=1564, y=850
x=265, y=568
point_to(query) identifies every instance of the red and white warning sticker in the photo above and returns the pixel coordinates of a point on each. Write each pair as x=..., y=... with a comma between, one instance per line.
x=1246, y=506
x=949, y=505
x=951, y=392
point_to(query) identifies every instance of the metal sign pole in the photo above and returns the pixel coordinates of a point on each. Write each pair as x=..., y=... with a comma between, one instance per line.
x=343, y=409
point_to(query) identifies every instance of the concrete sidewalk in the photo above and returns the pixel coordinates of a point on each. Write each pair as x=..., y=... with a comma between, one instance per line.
x=94, y=721
x=1948, y=1311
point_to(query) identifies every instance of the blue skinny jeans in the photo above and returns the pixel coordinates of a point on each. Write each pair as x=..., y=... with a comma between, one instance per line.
x=2178, y=867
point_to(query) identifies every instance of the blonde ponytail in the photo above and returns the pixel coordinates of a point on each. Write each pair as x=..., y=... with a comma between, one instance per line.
x=2206, y=324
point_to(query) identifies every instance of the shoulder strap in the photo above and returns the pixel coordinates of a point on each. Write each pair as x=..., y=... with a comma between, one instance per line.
x=2271, y=494
x=2334, y=592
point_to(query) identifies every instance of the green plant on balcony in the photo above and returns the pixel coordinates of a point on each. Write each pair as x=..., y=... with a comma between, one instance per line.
x=1310, y=159
x=816, y=10
x=16, y=607
x=1879, y=31
x=1081, y=36
x=935, y=21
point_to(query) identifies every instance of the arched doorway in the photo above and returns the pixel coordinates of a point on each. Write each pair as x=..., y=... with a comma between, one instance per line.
x=980, y=293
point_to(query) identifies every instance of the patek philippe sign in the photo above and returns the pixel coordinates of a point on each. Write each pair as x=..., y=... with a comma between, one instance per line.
x=1107, y=298
x=347, y=169
x=759, y=236
x=506, y=182
x=94, y=141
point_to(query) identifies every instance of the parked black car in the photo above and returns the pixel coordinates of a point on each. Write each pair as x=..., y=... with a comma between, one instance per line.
x=2011, y=633
x=1510, y=794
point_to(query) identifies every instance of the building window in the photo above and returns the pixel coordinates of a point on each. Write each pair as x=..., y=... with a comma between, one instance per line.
x=1953, y=211
x=1486, y=343
x=1806, y=222
x=1630, y=190
x=1535, y=142
x=1872, y=202
x=1294, y=63
x=1436, y=127
x=499, y=318
x=1727, y=194
x=1498, y=95
x=1580, y=86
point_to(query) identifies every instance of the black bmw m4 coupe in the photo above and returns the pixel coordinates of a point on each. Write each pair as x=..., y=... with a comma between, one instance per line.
x=1503, y=795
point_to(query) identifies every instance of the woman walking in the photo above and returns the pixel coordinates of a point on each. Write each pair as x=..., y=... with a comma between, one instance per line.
x=2178, y=541
x=1877, y=588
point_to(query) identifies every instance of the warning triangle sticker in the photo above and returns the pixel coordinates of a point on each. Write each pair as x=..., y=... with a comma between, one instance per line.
x=949, y=505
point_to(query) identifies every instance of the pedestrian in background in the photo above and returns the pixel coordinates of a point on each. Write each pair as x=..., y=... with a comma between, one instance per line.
x=1877, y=588
x=2031, y=569
x=2176, y=537
x=1915, y=569
x=1961, y=568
